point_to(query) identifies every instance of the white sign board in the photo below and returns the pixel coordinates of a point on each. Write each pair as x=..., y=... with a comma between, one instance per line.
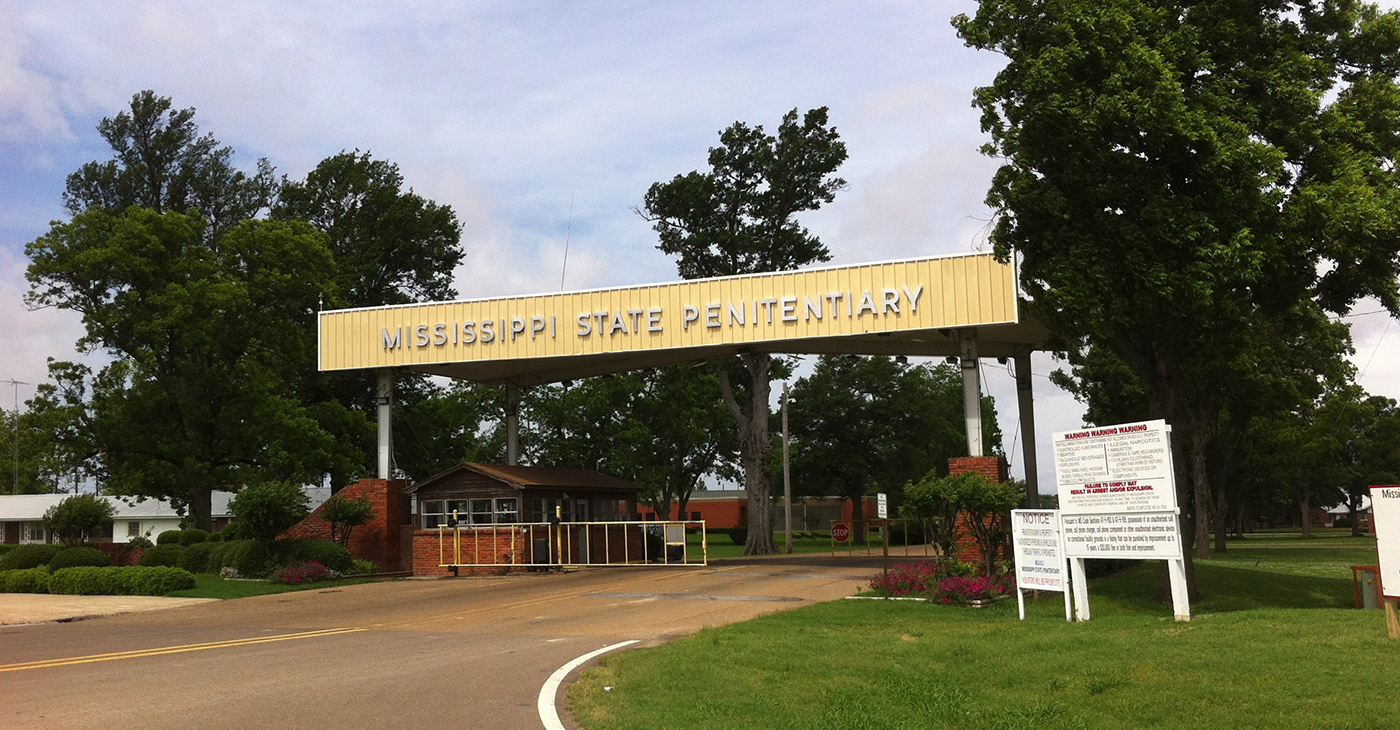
x=1035, y=539
x=1134, y=535
x=882, y=506
x=1122, y=468
x=1385, y=516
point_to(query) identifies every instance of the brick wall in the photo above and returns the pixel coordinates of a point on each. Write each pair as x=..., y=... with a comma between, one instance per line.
x=378, y=539
x=121, y=556
x=994, y=468
x=507, y=546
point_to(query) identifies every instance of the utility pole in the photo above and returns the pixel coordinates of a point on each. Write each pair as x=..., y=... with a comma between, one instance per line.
x=16, y=384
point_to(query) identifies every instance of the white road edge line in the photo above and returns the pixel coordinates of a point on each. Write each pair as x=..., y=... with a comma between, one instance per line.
x=549, y=715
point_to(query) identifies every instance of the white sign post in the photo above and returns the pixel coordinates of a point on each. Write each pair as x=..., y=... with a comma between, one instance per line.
x=1118, y=498
x=882, y=505
x=1039, y=553
x=1385, y=516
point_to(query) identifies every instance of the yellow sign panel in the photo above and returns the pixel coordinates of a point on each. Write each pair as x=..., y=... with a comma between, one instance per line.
x=899, y=296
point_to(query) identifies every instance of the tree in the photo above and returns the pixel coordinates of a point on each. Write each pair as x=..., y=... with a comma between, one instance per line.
x=861, y=425
x=162, y=163
x=389, y=246
x=345, y=515
x=78, y=517
x=266, y=509
x=738, y=218
x=1178, y=175
x=202, y=338
x=984, y=508
x=661, y=428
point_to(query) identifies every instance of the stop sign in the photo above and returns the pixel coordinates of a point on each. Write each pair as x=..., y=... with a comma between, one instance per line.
x=840, y=532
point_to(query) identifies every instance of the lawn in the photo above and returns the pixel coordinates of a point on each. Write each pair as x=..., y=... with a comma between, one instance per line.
x=721, y=546
x=1274, y=644
x=212, y=586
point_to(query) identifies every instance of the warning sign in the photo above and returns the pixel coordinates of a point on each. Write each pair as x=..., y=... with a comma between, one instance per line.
x=1122, y=468
x=1035, y=536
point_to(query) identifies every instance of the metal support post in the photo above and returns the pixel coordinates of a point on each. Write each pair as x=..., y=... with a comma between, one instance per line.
x=512, y=424
x=972, y=392
x=385, y=400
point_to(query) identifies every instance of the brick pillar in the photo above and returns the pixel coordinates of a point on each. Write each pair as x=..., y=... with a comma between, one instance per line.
x=378, y=539
x=994, y=469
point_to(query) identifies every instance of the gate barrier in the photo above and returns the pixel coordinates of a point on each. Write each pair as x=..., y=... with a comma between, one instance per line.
x=571, y=544
x=903, y=526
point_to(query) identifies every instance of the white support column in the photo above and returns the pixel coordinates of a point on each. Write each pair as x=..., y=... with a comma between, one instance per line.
x=1025, y=400
x=1080, y=585
x=512, y=424
x=972, y=392
x=384, y=398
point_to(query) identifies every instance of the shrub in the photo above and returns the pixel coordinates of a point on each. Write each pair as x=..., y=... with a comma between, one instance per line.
x=195, y=558
x=76, y=556
x=961, y=589
x=302, y=550
x=345, y=515
x=140, y=541
x=28, y=556
x=234, y=531
x=266, y=509
x=78, y=516
x=215, y=537
x=921, y=578
x=167, y=554
x=193, y=537
x=169, y=537
x=27, y=580
x=143, y=581
x=362, y=567
x=308, y=571
x=246, y=557
x=6, y=548
x=739, y=535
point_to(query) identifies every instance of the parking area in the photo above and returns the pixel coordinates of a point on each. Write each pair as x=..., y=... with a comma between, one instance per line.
x=450, y=652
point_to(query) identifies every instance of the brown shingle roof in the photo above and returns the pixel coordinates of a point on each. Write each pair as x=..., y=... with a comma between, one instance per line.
x=521, y=477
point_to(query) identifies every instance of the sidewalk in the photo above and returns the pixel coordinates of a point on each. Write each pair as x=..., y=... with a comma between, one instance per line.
x=33, y=608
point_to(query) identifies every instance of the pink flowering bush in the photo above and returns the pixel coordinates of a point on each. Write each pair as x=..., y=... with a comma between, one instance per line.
x=963, y=589
x=309, y=571
x=921, y=578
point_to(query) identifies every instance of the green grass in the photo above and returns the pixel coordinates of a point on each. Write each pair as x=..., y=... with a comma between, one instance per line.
x=212, y=586
x=722, y=547
x=1273, y=644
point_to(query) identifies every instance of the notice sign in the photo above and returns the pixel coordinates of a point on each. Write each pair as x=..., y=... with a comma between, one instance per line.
x=1385, y=515
x=1129, y=535
x=1122, y=468
x=1035, y=538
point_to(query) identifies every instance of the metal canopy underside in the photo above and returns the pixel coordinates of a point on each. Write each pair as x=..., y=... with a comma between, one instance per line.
x=1001, y=340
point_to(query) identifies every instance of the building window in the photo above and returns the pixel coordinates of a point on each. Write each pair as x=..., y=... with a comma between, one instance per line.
x=609, y=510
x=695, y=516
x=507, y=511
x=133, y=529
x=481, y=512
x=32, y=532
x=433, y=514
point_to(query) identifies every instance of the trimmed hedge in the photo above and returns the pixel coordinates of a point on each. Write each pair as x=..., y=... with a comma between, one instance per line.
x=193, y=536
x=27, y=580
x=28, y=556
x=309, y=549
x=169, y=537
x=75, y=556
x=166, y=554
x=195, y=557
x=144, y=581
x=245, y=556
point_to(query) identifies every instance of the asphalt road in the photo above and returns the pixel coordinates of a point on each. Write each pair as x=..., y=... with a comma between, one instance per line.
x=457, y=653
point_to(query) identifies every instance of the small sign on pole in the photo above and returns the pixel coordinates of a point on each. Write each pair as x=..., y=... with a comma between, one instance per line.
x=882, y=506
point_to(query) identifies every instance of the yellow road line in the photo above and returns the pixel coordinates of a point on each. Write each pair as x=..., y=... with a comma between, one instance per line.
x=159, y=651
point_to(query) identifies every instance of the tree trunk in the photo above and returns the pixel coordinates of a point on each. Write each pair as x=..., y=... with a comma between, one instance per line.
x=1200, y=483
x=858, y=521
x=1220, y=521
x=202, y=507
x=1305, y=507
x=754, y=444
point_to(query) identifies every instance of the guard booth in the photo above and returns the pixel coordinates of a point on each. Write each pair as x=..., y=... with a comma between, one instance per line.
x=499, y=517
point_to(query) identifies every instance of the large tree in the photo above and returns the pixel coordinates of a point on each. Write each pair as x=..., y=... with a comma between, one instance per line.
x=390, y=246
x=740, y=218
x=861, y=425
x=201, y=335
x=1177, y=174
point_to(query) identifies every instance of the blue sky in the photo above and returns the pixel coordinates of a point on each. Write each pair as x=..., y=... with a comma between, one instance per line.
x=514, y=113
